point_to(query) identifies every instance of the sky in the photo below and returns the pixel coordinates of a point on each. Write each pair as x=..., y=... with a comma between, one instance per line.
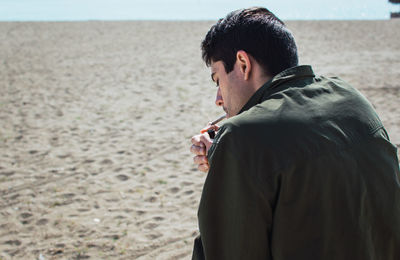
x=72, y=10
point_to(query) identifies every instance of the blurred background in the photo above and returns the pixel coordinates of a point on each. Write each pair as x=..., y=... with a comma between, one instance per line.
x=50, y=10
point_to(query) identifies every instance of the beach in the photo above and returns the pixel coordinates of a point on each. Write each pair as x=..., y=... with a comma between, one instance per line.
x=96, y=120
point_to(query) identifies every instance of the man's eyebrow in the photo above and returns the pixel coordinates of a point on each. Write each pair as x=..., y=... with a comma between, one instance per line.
x=212, y=76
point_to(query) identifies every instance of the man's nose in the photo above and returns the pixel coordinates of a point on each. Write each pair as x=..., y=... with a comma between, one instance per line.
x=218, y=101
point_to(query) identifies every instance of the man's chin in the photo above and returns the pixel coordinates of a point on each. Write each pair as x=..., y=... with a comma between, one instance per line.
x=228, y=115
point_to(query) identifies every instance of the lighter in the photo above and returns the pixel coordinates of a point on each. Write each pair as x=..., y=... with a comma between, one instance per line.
x=209, y=130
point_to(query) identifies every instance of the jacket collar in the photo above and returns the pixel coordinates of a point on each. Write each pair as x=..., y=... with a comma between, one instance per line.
x=270, y=87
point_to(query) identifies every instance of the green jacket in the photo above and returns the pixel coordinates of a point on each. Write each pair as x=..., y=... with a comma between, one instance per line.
x=304, y=171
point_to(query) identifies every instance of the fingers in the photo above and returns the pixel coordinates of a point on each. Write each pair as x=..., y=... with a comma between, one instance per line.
x=209, y=126
x=196, y=140
x=200, y=145
x=202, y=140
x=200, y=159
x=202, y=163
x=213, y=127
x=206, y=140
x=198, y=150
x=203, y=167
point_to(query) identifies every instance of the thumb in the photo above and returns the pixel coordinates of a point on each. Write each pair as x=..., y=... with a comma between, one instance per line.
x=213, y=127
x=206, y=140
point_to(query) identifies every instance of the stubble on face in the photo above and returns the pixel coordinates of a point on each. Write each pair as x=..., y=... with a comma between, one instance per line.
x=218, y=76
x=226, y=88
x=234, y=89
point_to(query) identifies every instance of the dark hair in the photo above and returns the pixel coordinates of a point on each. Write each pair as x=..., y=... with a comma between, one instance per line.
x=254, y=30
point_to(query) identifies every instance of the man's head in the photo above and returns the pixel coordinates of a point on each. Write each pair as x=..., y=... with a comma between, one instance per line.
x=256, y=31
x=244, y=48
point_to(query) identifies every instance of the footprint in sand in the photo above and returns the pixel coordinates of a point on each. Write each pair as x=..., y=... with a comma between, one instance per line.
x=153, y=236
x=158, y=218
x=151, y=199
x=151, y=226
x=188, y=192
x=122, y=177
x=42, y=221
x=186, y=183
x=174, y=190
x=68, y=195
x=106, y=161
x=88, y=161
x=7, y=173
x=140, y=212
x=12, y=242
x=26, y=215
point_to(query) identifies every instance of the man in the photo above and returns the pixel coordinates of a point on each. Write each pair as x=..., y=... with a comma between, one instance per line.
x=302, y=168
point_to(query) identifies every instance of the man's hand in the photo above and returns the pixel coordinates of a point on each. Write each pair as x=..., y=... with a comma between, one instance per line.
x=200, y=145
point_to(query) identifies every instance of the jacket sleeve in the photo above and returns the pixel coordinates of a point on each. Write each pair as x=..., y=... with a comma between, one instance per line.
x=234, y=218
x=198, y=251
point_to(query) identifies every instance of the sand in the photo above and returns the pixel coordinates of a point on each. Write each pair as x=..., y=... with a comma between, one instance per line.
x=95, y=126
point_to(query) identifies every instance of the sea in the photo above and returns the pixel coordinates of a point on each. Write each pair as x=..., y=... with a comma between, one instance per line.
x=81, y=10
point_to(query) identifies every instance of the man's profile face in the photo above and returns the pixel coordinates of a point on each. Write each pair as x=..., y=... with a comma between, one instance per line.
x=230, y=88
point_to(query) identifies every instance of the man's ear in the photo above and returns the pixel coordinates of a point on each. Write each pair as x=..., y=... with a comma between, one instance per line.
x=244, y=62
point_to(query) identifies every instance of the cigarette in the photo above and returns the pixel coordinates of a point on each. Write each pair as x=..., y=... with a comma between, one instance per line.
x=218, y=120
x=212, y=123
